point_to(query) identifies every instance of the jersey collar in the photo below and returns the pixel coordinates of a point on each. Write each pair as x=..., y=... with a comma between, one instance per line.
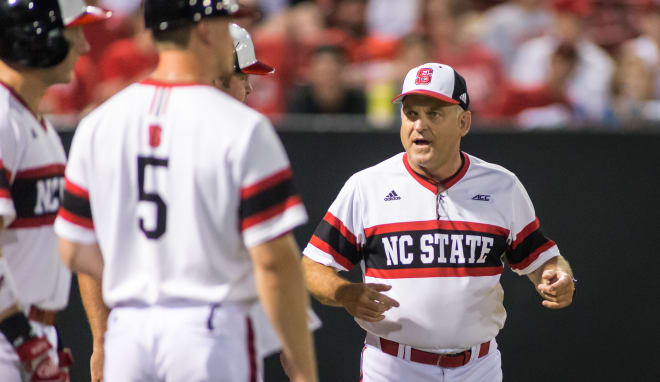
x=432, y=185
x=163, y=84
x=20, y=100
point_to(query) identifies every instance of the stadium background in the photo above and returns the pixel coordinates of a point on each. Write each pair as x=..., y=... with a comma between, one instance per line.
x=593, y=175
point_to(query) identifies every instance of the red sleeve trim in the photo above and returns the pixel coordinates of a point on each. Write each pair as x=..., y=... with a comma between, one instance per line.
x=4, y=193
x=533, y=256
x=75, y=189
x=75, y=219
x=278, y=209
x=339, y=225
x=435, y=224
x=33, y=222
x=325, y=247
x=522, y=235
x=413, y=273
x=50, y=170
x=266, y=183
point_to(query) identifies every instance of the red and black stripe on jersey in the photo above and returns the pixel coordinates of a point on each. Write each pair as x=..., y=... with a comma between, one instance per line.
x=527, y=247
x=75, y=206
x=36, y=194
x=434, y=248
x=332, y=236
x=4, y=182
x=267, y=198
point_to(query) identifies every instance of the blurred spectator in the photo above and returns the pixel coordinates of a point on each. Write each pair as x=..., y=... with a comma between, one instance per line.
x=126, y=61
x=451, y=26
x=349, y=29
x=384, y=80
x=286, y=40
x=325, y=92
x=634, y=101
x=392, y=18
x=645, y=47
x=589, y=86
x=510, y=24
x=516, y=103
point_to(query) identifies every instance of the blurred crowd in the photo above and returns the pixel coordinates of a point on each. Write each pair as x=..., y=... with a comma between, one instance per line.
x=527, y=63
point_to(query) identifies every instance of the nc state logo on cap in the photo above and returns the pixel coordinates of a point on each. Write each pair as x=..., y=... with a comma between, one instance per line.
x=424, y=76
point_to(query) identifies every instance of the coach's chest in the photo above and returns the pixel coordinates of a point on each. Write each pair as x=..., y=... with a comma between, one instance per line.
x=449, y=231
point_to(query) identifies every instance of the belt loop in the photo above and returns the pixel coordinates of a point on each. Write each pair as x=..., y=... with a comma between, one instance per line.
x=209, y=321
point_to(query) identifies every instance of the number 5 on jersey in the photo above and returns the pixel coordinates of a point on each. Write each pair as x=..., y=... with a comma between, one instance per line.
x=153, y=197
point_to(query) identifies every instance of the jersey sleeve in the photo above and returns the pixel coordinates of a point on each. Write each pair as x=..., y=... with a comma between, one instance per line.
x=74, y=220
x=8, y=165
x=528, y=247
x=269, y=203
x=337, y=239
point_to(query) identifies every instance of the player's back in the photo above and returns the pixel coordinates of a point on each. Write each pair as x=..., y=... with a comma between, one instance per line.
x=167, y=165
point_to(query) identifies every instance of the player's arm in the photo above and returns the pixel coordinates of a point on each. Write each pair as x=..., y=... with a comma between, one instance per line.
x=282, y=293
x=97, y=316
x=82, y=258
x=554, y=282
x=361, y=300
x=13, y=308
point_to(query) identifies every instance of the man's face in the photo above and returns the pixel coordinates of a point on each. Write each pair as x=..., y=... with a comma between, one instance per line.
x=431, y=131
x=63, y=72
x=237, y=85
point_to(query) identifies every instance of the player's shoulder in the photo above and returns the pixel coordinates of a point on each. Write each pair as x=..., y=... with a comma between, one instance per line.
x=490, y=172
x=384, y=169
x=4, y=108
x=9, y=112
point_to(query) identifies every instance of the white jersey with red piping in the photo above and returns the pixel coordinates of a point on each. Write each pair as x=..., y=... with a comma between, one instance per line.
x=176, y=183
x=442, y=248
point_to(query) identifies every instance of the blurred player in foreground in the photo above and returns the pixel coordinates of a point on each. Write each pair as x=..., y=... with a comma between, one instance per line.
x=237, y=85
x=40, y=43
x=429, y=228
x=203, y=206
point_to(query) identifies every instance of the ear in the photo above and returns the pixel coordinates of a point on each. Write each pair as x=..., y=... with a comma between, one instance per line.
x=203, y=31
x=465, y=121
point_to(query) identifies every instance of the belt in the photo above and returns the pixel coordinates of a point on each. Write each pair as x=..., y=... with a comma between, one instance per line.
x=46, y=317
x=428, y=358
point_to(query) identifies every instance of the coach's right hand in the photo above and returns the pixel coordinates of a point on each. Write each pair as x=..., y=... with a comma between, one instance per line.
x=364, y=301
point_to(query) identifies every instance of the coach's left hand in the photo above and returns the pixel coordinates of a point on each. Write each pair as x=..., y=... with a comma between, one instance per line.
x=556, y=288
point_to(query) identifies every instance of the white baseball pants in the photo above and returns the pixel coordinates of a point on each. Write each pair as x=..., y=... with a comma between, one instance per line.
x=177, y=344
x=381, y=367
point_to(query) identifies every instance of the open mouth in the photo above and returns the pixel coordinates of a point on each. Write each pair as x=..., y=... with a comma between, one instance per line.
x=421, y=142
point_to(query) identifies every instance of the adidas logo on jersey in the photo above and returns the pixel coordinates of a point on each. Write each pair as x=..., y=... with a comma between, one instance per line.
x=392, y=196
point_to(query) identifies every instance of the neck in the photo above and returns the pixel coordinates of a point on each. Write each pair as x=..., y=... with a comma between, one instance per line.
x=28, y=85
x=183, y=66
x=440, y=172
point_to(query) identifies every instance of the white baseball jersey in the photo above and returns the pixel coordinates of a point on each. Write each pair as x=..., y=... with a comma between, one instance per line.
x=31, y=179
x=440, y=248
x=176, y=182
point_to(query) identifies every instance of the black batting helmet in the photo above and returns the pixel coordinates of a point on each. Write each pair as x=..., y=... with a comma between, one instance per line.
x=32, y=31
x=160, y=15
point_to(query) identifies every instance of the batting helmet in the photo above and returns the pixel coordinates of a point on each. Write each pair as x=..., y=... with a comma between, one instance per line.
x=32, y=32
x=162, y=15
x=245, y=55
